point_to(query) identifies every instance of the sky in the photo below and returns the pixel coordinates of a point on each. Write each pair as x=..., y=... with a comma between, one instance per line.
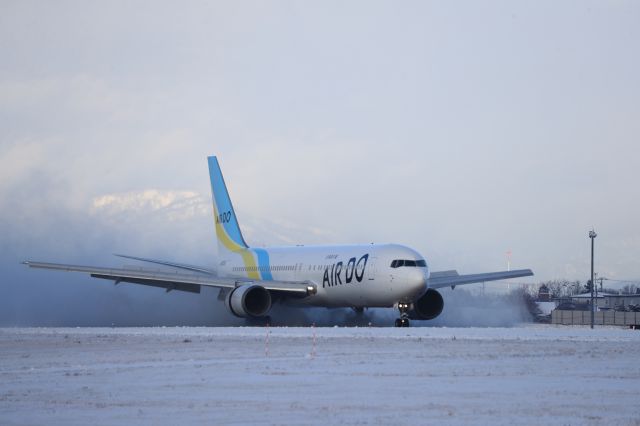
x=462, y=129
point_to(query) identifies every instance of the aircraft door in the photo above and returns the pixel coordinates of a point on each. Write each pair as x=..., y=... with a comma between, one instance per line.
x=371, y=269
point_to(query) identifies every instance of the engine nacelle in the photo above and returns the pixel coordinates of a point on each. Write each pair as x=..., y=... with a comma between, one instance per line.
x=249, y=300
x=428, y=306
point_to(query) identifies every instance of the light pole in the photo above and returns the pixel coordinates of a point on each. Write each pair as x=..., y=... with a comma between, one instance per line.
x=592, y=235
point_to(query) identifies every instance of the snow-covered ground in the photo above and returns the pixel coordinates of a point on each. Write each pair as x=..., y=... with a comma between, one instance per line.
x=521, y=375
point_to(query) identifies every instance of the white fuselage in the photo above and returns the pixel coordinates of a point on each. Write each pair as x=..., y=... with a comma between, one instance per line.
x=345, y=276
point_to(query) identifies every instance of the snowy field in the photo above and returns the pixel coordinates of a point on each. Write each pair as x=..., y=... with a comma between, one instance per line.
x=520, y=375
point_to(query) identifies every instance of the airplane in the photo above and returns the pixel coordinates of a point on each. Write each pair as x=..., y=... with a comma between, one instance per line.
x=251, y=280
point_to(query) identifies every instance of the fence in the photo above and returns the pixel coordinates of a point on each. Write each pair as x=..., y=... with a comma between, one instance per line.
x=600, y=318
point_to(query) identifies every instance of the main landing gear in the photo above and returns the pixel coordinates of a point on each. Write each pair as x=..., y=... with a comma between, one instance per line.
x=403, y=321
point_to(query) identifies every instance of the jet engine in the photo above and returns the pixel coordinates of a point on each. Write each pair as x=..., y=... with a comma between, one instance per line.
x=427, y=307
x=249, y=300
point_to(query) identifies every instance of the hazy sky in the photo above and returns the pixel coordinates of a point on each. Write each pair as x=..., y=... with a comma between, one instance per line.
x=463, y=129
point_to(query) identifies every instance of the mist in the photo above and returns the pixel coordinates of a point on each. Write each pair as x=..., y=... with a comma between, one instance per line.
x=174, y=225
x=463, y=130
x=56, y=299
x=462, y=308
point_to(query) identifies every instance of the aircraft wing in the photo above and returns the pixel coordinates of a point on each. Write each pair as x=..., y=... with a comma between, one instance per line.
x=177, y=280
x=192, y=268
x=452, y=279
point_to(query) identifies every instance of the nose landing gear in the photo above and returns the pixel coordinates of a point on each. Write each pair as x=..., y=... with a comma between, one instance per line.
x=403, y=321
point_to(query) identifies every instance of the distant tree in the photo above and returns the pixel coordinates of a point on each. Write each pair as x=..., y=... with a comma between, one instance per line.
x=587, y=286
x=555, y=288
x=531, y=290
x=561, y=288
x=574, y=288
x=629, y=289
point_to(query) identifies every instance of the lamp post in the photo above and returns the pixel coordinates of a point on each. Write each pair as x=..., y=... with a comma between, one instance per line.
x=592, y=235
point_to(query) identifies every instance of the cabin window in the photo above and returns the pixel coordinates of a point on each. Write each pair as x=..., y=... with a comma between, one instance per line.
x=408, y=262
x=397, y=263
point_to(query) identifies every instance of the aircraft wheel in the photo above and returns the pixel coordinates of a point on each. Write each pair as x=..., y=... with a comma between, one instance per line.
x=403, y=321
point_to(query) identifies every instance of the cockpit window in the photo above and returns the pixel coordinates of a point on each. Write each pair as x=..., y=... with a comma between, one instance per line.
x=411, y=263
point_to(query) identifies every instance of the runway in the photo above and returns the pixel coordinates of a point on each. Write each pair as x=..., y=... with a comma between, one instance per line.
x=521, y=375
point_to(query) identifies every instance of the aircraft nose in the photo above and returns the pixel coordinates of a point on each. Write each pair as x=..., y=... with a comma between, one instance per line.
x=417, y=281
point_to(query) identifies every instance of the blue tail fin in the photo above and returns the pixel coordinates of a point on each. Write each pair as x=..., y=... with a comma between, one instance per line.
x=227, y=228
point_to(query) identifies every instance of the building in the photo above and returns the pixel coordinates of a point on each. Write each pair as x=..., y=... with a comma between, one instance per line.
x=544, y=295
x=605, y=301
